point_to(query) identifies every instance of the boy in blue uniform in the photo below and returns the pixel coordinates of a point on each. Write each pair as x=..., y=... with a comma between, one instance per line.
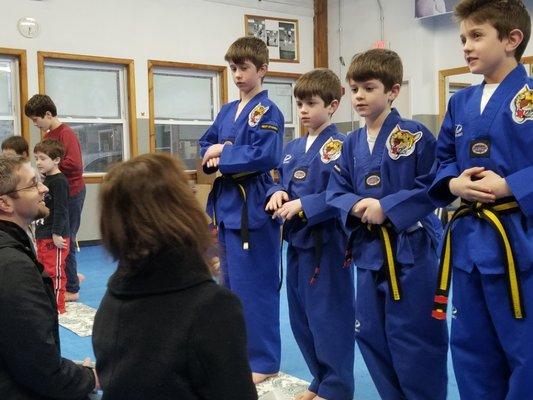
x=380, y=186
x=485, y=155
x=244, y=144
x=320, y=291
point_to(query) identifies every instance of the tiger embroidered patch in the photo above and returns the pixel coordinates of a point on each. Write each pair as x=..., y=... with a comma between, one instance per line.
x=522, y=105
x=402, y=143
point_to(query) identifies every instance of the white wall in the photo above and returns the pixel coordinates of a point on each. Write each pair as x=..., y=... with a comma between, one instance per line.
x=425, y=45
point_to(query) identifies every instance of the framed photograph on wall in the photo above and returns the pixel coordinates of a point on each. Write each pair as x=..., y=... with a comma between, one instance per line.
x=280, y=35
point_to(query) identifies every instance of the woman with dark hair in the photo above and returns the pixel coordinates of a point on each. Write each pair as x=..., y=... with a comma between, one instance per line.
x=165, y=329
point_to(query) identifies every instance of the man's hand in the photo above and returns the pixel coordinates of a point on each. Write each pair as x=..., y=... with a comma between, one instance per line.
x=497, y=185
x=213, y=153
x=59, y=242
x=276, y=201
x=468, y=187
x=289, y=209
x=88, y=363
x=373, y=213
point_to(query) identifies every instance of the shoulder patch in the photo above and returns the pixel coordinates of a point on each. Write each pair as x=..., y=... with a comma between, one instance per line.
x=255, y=115
x=522, y=105
x=330, y=150
x=269, y=127
x=402, y=143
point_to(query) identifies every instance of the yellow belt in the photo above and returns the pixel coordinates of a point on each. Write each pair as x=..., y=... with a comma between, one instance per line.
x=489, y=213
x=388, y=252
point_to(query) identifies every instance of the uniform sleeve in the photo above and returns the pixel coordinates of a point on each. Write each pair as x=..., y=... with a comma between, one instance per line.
x=447, y=167
x=27, y=343
x=264, y=152
x=316, y=209
x=210, y=137
x=278, y=186
x=218, y=351
x=71, y=163
x=520, y=184
x=416, y=200
x=59, y=193
x=341, y=192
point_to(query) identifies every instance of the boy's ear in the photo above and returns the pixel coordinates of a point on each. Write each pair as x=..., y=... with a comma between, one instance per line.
x=333, y=106
x=57, y=160
x=48, y=114
x=394, y=91
x=515, y=37
x=262, y=71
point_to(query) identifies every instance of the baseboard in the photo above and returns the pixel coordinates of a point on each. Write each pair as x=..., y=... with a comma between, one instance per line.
x=86, y=243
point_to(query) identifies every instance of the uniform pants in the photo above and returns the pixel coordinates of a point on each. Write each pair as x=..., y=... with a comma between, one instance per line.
x=404, y=348
x=492, y=352
x=322, y=316
x=253, y=275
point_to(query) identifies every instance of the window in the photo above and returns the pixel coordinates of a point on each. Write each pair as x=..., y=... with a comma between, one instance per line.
x=280, y=88
x=91, y=95
x=184, y=101
x=13, y=93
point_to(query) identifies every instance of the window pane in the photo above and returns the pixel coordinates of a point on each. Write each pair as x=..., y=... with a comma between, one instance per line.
x=6, y=99
x=183, y=97
x=288, y=135
x=6, y=130
x=180, y=140
x=84, y=93
x=101, y=145
x=281, y=94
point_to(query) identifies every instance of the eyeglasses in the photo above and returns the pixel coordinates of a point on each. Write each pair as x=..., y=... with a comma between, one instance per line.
x=33, y=185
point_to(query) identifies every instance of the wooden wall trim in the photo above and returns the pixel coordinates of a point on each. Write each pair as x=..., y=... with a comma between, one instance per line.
x=20, y=54
x=444, y=73
x=320, y=22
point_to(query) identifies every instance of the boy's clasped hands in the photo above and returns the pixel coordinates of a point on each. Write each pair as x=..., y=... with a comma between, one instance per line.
x=479, y=184
x=280, y=206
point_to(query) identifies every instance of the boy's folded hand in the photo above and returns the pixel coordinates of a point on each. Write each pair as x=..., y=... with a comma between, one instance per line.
x=276, y=201
x=469, y=187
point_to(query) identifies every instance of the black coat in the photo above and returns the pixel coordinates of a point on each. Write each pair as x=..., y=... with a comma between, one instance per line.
x=31, y=366
x=170, y=332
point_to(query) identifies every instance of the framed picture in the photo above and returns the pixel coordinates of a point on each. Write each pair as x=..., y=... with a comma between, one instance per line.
x=279, y=34
x=430, y=8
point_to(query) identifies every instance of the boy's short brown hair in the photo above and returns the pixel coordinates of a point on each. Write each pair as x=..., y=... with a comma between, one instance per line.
x=16, y=143
x=51, y=147
x=503, y=15
x=381, y=64
x=320, y=82
x=248, y=48
x=38, y=105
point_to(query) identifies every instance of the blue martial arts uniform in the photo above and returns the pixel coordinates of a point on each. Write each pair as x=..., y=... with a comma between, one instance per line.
x=249, y=256
x=492, y=350
x=404, y=349
x=320, y=290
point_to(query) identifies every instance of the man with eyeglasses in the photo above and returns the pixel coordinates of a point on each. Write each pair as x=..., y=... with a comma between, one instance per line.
x=31, y=366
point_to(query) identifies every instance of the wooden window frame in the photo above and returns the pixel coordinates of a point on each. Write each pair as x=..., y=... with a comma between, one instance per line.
x=21, y=57
x=153, y=64
x=43, y=56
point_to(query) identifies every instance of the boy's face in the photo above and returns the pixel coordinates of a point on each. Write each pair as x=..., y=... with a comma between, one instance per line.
x=369, y=98
x=246, y=76
x=44, y=163
x=43, y=123
x=313, y=112
x=484, y=53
